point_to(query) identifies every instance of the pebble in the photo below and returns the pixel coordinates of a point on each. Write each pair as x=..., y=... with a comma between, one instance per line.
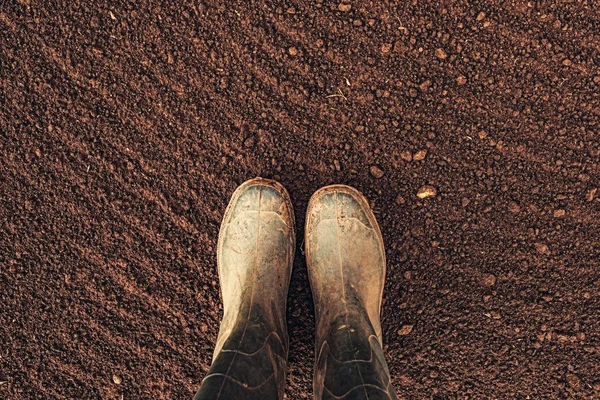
x=591, y=194
x=293, y=51
x=425, y=85
x=488, y=280
x=376, y=171
x=426, y=191
x=337, y=165
x=482, y=134
x=249, y=142
x=406, y=156
x=400, y=200
x=405, y=330
x=117, y=379
x=385, y=48
x=461, y=79
x=541, y=248
x=559, y=213
x=420, y=155
x=480, y=16
x=441, y=54
x=406, y=381
x=573, y=380
x=344, y=7
x=514, y=208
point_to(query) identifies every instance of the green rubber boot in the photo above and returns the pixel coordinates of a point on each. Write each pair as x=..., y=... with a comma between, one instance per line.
x=254, y=257
x=346, y=266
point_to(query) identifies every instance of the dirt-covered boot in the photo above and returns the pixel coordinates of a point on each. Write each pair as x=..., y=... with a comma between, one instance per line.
x=346, y=266
x=254, y=258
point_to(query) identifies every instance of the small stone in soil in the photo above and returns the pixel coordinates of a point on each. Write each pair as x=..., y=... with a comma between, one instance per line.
x=559, y=213
x=376, y=171
x=406, y=381
x=405, y=330
x=541, y=248
x=591, y=194
x=488, y=280
x=420, y=155
x=344, y=7
x=514, y=208
x=426, y=191
x=400, y=200
x=573, y=380
x=406, y=156
x=461, y=80
x=441, y=54
x=293, y=51
x=249, y=142
x=117, y=379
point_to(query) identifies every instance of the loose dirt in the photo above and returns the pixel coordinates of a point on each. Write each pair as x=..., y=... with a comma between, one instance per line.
x=125, y=128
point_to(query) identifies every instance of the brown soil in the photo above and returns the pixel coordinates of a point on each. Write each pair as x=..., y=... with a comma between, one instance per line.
x=124, y=130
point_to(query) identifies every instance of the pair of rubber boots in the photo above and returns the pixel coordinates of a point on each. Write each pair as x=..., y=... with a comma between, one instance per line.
x=346, y=265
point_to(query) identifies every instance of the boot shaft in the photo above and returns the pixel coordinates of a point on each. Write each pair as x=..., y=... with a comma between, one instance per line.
x=346, y=265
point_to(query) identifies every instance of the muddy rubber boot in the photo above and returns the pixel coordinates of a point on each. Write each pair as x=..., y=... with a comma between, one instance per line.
x=346, y=266
x=254, y=259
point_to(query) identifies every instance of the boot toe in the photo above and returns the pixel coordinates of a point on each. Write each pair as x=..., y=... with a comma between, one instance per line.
x=262, y=195
x=339, y=202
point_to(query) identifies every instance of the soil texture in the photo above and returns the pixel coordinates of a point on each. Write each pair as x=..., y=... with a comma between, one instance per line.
x=471, y=126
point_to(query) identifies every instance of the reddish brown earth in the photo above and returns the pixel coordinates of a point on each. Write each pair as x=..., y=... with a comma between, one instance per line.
x=124, y=129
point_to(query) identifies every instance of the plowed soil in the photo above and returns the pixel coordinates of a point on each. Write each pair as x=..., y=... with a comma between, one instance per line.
x=125, y=128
